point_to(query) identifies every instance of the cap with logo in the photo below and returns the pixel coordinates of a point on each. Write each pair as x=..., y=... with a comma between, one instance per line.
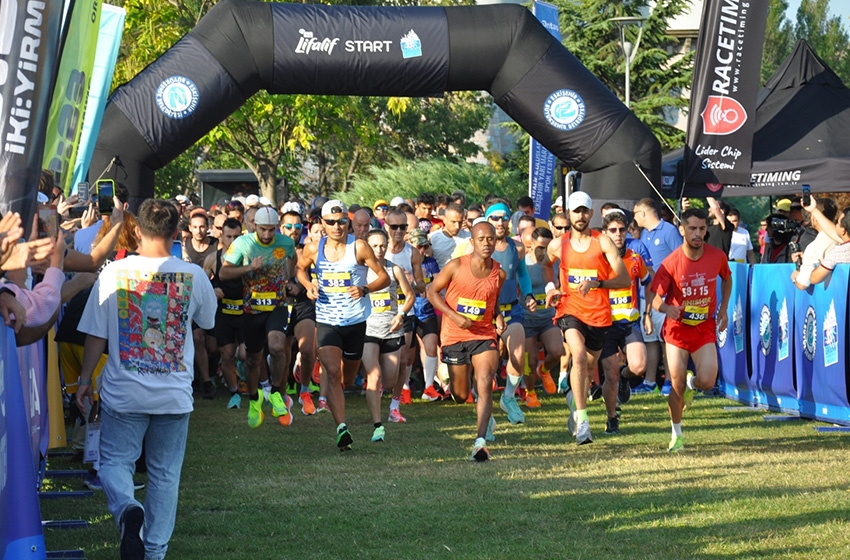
x=579, y=199
x=266, y=216
x=334, y=207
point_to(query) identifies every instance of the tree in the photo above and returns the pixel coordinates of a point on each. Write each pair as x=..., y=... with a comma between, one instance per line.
x=778, y=39
x=826, y=35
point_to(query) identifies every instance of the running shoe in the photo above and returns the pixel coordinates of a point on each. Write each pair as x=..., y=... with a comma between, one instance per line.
x=242, y=388
x=208, y=392
x=323, y=406
x=431, y=394
x=132, y=533
x=480, y=453
x=613, y=426
x=624, y=390
x=510, y=407
x=665, y=390
x=305, y=399
x=644, y=388
x=343, y=438
x=491, y=428
x=563, y=383
x=255, y=412
x=235, y=401
x=405, y=396
x=571, y=419
x=595, y=392
x=280, y=408
x=548, y=383
x=521, y=393
x=689, y=393
x=470, y=398
x=378, y=434
x=395, y=416
x=677, y=444
x=92, y=482
x=531, y=400
x=583, y=433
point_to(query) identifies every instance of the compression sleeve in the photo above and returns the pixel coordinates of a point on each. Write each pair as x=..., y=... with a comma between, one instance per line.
x=524, y=279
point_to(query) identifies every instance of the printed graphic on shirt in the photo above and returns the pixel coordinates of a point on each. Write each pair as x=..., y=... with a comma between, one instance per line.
x=152, y=315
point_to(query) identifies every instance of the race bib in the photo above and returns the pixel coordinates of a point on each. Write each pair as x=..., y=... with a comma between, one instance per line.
x=623, y=305
x=694, y=315
x=381, y=302
x=232, y=306
x=576, y=276
x=472, y=308
x=263, y=301
x=540, y=299
x=335, y=282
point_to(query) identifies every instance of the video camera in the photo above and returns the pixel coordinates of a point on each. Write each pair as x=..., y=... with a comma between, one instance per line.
x=783, y=229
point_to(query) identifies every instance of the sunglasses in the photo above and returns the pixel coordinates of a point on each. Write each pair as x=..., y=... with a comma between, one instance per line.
x=618, y=230
x=559, y=228
x=216, y=227
x=296, y=227
x=394, y=227
x=382, y=207
x=498, y=218
x=341, y=221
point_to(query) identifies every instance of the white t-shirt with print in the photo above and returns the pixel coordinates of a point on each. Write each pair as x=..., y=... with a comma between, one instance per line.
x=144, y=307
x=741, y=243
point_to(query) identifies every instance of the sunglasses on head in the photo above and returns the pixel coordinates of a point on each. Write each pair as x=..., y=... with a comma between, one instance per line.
x=297, y=227
x=618, y=230
x=498, y=218
x=341, y=221
x=397, y=226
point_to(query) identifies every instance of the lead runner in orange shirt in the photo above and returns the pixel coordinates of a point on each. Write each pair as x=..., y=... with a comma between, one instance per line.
x=687, y=281
x=590, y=266
x=467, y=333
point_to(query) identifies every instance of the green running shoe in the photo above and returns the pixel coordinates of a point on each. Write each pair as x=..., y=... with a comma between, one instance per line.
x=677, y=444
x=255, y=411
x=343, y=438
x=280, y=408
x=480, y=453
x=378, y=434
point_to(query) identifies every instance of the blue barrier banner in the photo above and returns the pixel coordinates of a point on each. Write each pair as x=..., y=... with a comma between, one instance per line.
x=771, y=324
x=20, y=517
x=734, y=368
x=541, y=164
x=34, y=383
x=820, y=342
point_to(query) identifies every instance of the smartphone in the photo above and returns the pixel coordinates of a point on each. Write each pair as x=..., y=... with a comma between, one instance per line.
x=807, y=195
x=47, y=214
x=105, y=192
x=83, y=192
x=76, y=212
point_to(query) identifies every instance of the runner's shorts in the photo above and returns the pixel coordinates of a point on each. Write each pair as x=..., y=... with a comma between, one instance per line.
x=619, y=336
x=690, y=338
x=594, y=337
x=461, y=353
x=386, y=345
x=349, y=338
x=256, y=327
x=300, y=311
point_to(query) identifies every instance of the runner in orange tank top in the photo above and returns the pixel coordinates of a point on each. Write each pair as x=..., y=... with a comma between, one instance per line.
x=472, y=285
x=590, y=265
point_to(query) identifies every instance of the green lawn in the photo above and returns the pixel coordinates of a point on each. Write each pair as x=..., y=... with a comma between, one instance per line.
x=743, y=488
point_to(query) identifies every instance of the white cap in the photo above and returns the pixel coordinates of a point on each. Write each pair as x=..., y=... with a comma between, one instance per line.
x=334, y=207
x=252, y=200
x=579, y=199
x=559, y=202
x=266, y=216
x=292, y=207
x=264, y=201
x=182, y=198
x=397, y=200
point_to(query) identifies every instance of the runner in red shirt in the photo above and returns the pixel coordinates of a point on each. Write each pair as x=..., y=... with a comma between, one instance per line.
x=687, y=281
x=467, y=333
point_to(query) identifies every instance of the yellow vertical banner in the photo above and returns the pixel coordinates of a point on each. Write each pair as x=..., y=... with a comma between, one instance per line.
x=67, y=109
x=55, y=407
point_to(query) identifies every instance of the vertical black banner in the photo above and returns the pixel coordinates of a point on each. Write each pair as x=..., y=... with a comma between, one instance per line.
x=29, y=38
x=723, y=96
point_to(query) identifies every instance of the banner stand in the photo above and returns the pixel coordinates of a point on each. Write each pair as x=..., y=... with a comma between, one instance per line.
x=820, y=429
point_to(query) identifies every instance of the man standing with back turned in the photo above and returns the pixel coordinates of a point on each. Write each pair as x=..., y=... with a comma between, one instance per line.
x=144, y=307
x=687, y=282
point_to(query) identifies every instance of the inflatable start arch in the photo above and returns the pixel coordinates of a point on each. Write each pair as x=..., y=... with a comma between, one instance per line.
x=240, y=47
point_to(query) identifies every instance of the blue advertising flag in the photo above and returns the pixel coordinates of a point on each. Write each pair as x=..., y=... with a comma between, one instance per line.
x=541, y=165
x=734, y=372
x=20, y=517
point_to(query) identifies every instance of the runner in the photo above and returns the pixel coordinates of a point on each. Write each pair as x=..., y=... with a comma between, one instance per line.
x=228, y=317
x=384, y=334
x=341, y=263
x=427, y=327
x=263, y=260
x=539, y=326
x=472, y=283
x=685, y=290
x=625, y=333
x=590, y=266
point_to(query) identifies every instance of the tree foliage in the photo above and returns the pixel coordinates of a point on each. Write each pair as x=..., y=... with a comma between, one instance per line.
x=826, y=35
x=778, y=39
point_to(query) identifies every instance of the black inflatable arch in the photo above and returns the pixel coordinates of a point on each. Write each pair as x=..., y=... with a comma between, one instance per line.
x=241, y=46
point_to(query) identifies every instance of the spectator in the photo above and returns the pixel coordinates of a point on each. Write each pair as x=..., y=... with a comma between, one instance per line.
x=816, y=250
x=741, y=247
x=783, y=207
x=762, y=235
x=721, y=229
x=780, y=230
x=840, y=254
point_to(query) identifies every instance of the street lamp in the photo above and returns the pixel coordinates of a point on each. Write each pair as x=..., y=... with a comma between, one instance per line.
x=629, y=50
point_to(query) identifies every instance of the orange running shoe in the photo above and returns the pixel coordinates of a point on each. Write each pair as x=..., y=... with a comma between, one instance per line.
x=548, y=383
x=405, y=396
x=305, y=399
x=531, y=400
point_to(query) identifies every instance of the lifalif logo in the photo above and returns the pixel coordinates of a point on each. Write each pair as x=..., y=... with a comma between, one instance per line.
x=309, y=43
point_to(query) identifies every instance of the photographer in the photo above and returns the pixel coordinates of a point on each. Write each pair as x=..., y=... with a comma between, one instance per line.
x=808, y=260
x=781, y=231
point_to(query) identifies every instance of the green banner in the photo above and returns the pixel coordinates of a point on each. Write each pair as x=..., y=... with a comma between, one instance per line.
x=71, y=93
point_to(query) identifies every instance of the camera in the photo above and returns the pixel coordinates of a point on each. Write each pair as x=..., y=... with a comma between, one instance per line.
x=783, y=229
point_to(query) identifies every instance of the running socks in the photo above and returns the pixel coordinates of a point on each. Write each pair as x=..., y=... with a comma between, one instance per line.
x=677, y=429
x=513, y=382
x=430, y=370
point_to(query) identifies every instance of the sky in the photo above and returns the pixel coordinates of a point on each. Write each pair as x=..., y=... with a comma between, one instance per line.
x=839, y=8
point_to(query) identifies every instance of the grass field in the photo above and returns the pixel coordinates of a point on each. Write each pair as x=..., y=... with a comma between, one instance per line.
x=743, y=488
